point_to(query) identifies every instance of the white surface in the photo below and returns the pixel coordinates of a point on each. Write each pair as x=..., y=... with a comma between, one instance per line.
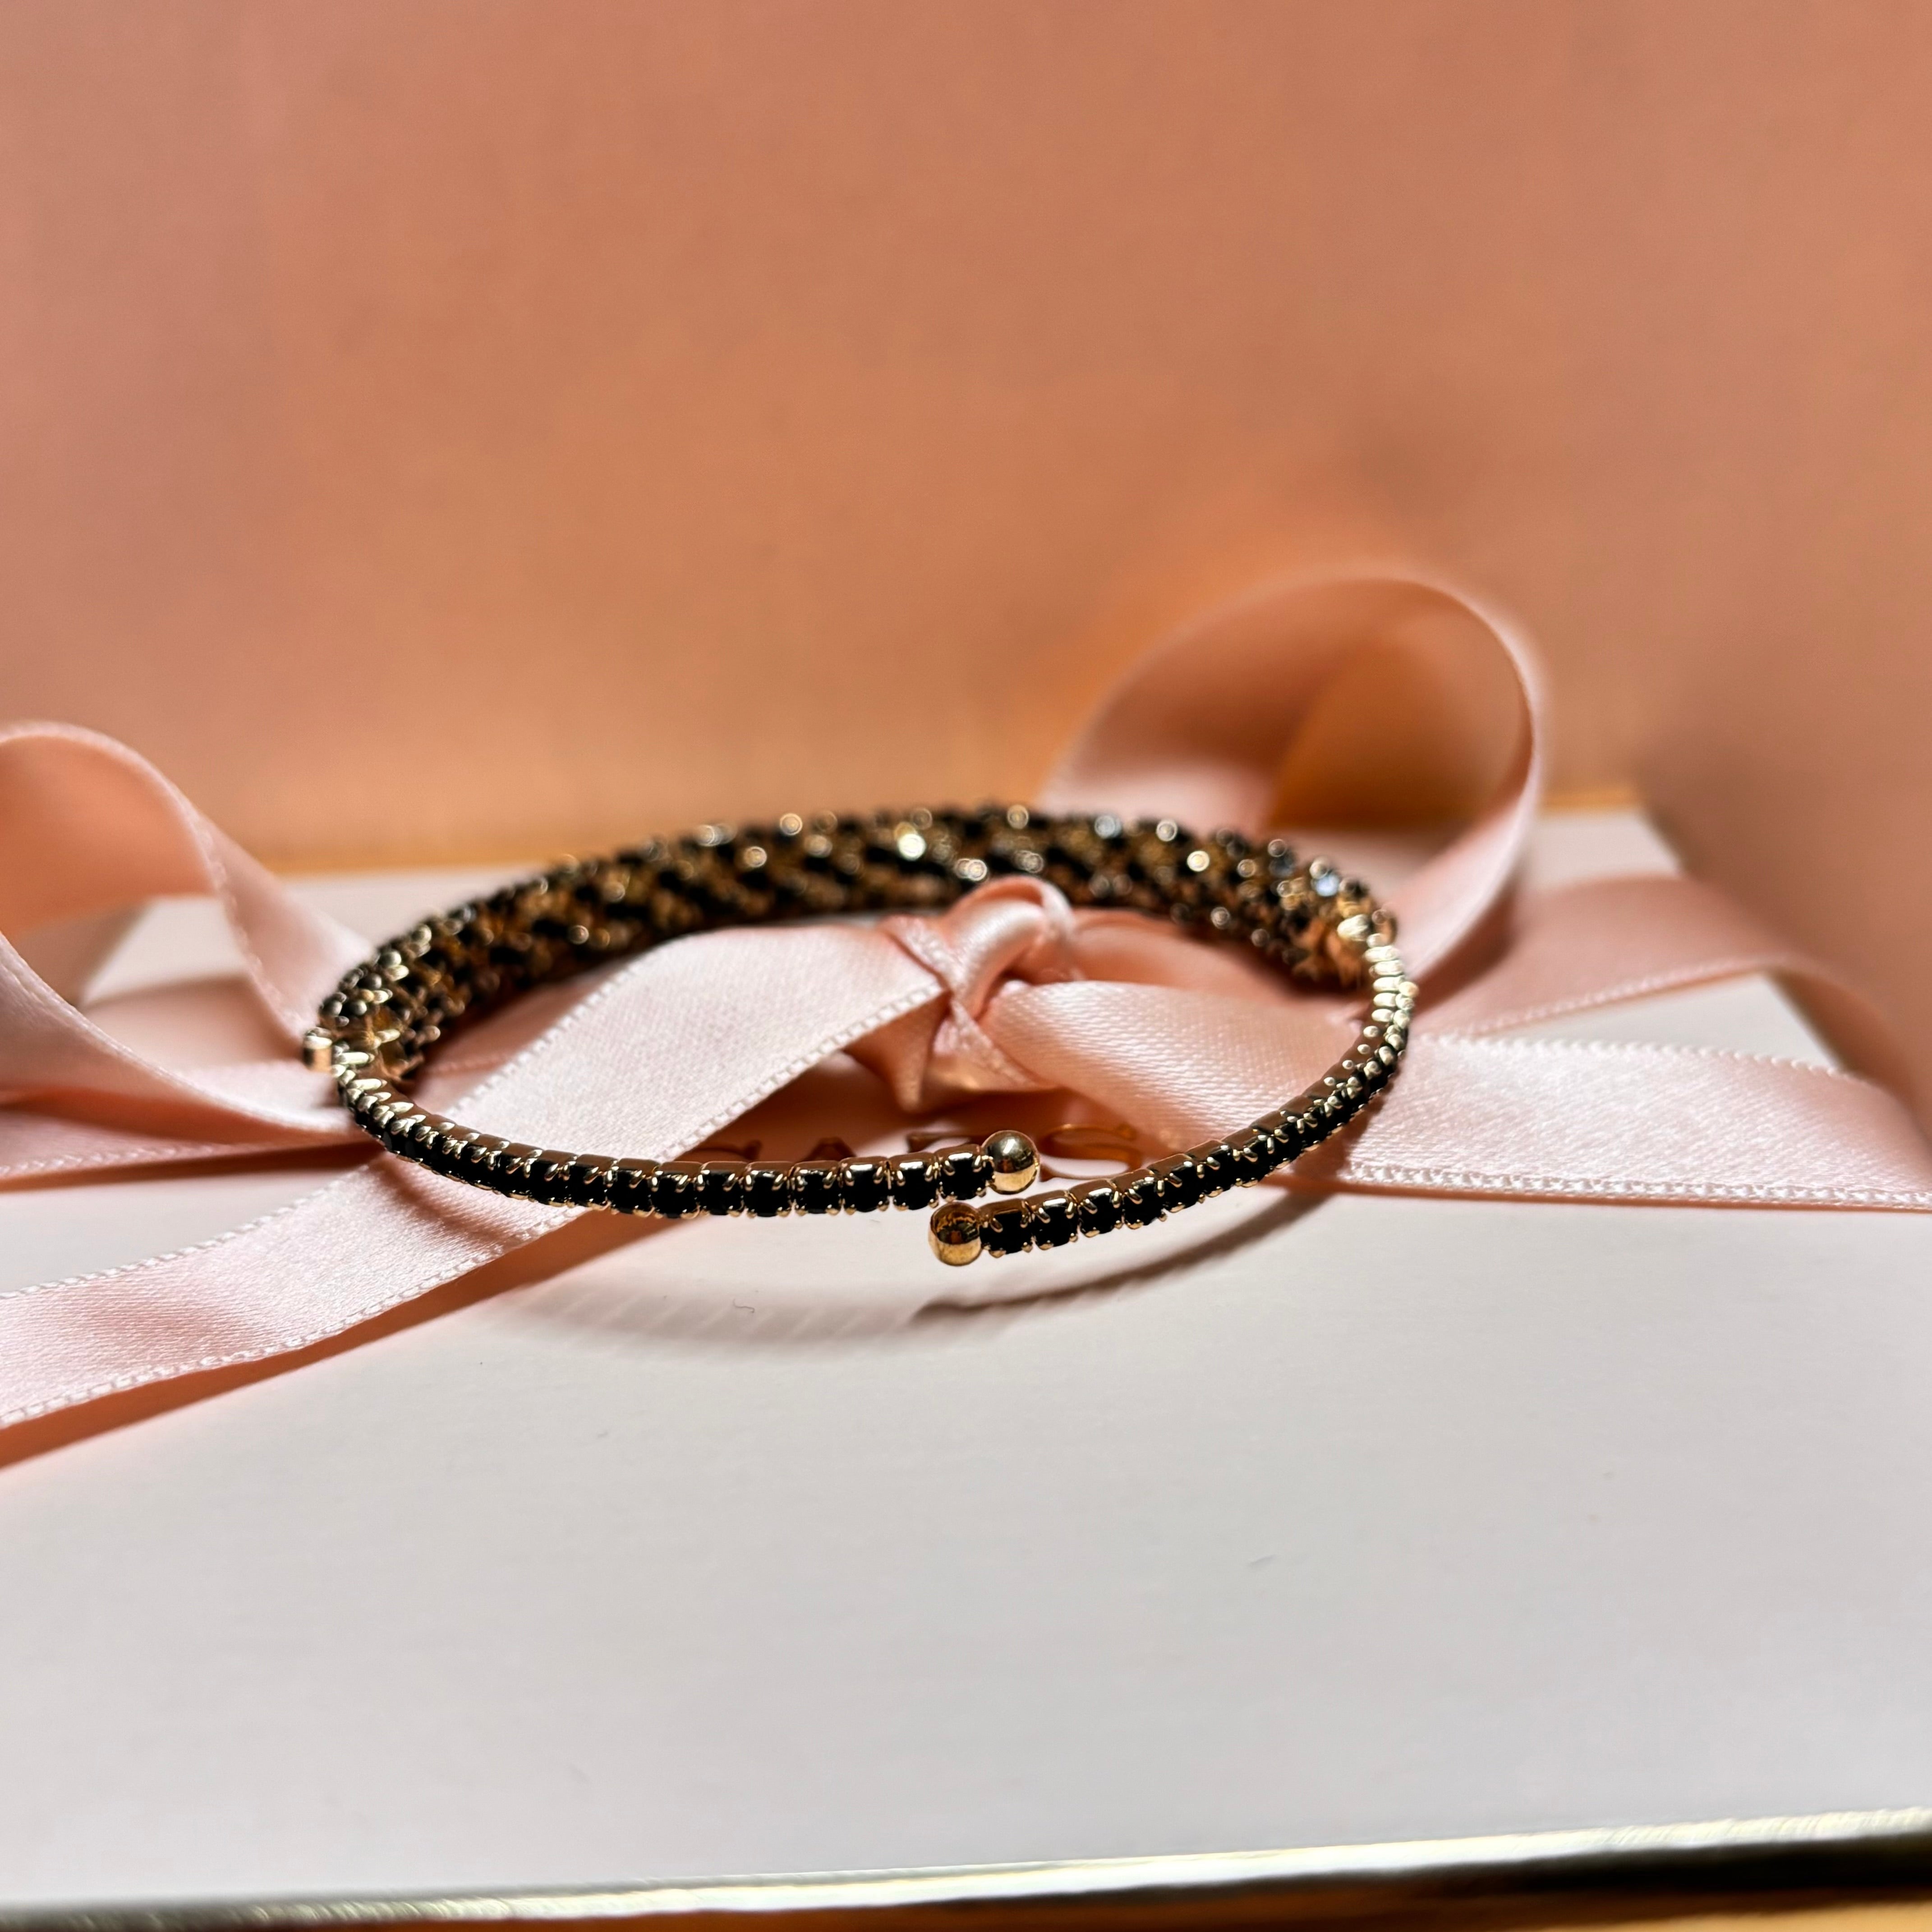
x=1377, y=1519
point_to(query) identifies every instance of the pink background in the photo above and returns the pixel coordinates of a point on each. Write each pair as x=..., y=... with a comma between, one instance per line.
x=469, y=429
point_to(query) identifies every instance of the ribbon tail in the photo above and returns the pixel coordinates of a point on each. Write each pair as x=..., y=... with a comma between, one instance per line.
x=1560, y=1120
x=1578, y=1120
x=661, y=1057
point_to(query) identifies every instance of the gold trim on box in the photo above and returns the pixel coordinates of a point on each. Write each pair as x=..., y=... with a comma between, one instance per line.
x=1726, y=1859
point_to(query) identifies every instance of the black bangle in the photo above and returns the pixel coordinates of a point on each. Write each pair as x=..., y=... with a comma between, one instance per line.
x=375, y=1032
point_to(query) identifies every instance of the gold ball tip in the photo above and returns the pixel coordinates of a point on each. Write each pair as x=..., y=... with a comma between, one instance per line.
x=954, y=1231
x=1016, y=1161
x=318, y=1049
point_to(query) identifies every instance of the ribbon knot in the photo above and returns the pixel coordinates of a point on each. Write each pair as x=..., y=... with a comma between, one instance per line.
x=1020, y=930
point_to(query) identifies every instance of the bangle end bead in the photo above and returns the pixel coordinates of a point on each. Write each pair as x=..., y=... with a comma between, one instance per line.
x=318, y=1049
x=1015, y=1158
x=954, y=1231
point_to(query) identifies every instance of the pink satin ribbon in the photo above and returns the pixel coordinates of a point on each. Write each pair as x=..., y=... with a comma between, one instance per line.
x=1013, y=990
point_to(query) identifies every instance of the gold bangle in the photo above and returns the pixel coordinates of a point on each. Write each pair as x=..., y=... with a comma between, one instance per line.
x=376, y=1031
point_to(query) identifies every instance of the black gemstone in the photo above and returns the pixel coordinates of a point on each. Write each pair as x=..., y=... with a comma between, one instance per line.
x=1096, y=1206
x=630, y=1185
x=487, y=1177
x=1003, y=1230
x=674, y=1189
x=1140, y=1198
x=446, y=1154
x=967, y=1172
x=475, y=1158
x=1254, y=1154
x=508, y=1169
x=1052, y=1224
x=721, y=1191
x=1180, y=1181
x=915, y=1180
x=814, y=1186
x=768, y=1188
x=587, y=1183
x=549, y=1177
x=1214, y=1160
x=867, y=1185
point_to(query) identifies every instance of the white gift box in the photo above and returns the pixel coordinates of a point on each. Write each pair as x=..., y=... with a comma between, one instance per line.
x=1317, y=1538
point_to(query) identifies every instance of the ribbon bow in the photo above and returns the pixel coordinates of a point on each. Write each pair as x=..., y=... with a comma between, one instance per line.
x=1011, y=990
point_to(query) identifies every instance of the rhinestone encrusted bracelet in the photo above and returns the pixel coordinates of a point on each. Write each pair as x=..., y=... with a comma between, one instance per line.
x=375, y=1033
